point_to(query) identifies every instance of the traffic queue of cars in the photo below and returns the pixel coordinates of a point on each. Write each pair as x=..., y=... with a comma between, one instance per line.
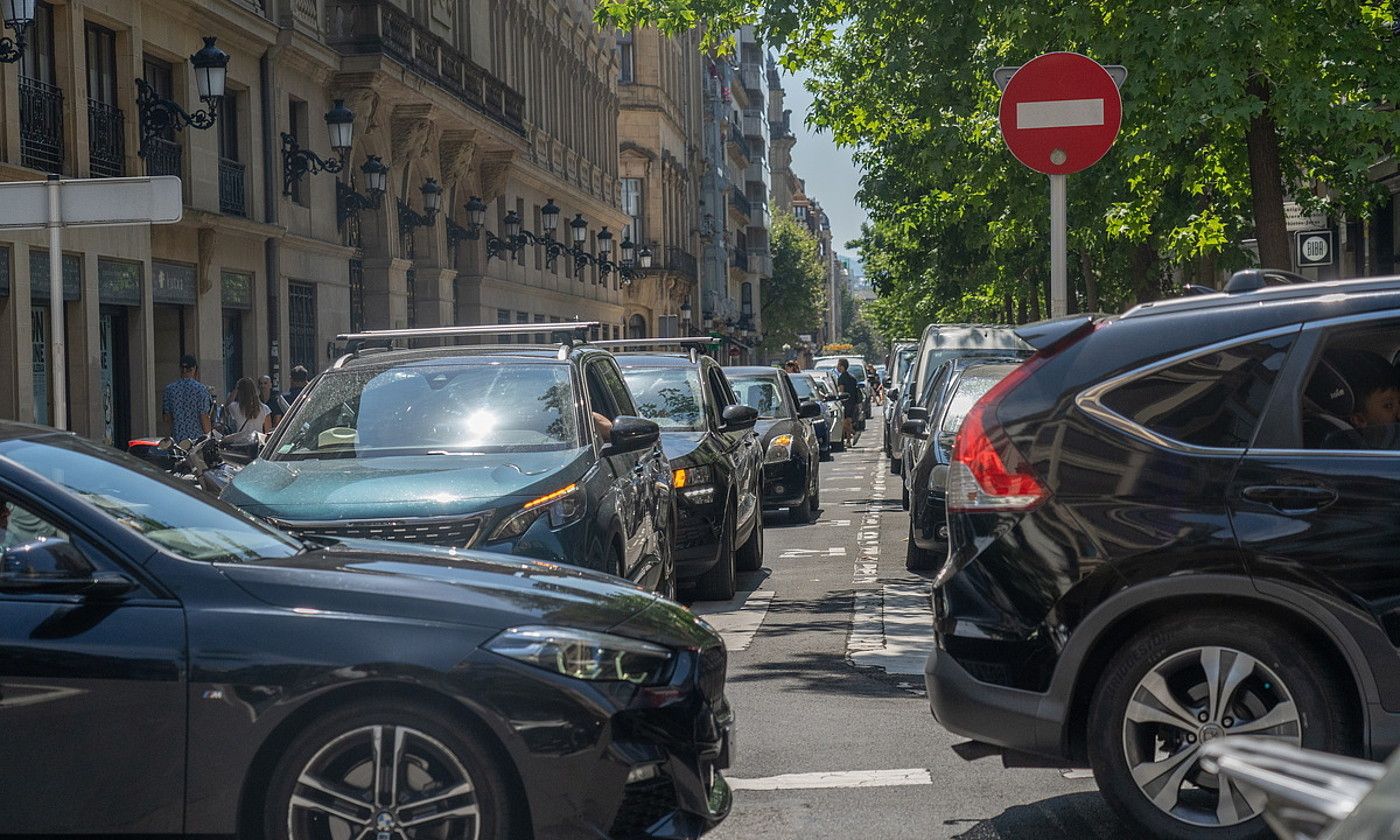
x=441, y=588
x=1166, y=530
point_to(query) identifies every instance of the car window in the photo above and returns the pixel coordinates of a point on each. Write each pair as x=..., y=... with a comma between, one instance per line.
x=1352, y=397
x=1214, y=399
x=763, y=393
x=20, y=526
x=617, y=389
x=970, y=387
x=802, y=385
x=671, y=396
x=722, y=390
x=183, y=521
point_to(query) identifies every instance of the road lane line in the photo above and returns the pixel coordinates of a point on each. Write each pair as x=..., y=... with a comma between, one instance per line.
x=891, y=629
x=737, y=620
x=836, y=779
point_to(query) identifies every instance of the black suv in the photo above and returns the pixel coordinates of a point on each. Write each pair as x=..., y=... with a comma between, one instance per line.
x=532, y=451
x=1178, y=525
x=715, y=458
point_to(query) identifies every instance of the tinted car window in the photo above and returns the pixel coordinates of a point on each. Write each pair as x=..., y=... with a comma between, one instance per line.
x=1210, y=400
x=430, y=408
x=184, y=522
x=670, y=396
x=970, y=388
x=802, y=385
x=763, y=393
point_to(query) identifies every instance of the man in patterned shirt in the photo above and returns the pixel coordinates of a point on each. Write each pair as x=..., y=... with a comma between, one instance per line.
x=187, y=403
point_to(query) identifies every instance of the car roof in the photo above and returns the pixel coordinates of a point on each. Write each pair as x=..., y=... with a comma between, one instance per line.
x=970, y=335
x=750, y=370
x=15, y=430
x=463, y=354
x=658, y=360
x=1364, y=294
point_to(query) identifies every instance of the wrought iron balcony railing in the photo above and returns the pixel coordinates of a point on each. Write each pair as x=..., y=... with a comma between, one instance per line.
x=40, y=125
x=163, y=157
x=106, y=140
x=233, y=188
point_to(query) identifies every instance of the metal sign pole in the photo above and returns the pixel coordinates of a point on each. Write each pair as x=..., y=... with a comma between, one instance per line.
x=1059, y=256
x=57, y=363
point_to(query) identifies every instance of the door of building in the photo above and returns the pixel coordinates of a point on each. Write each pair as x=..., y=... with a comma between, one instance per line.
x=116, y=376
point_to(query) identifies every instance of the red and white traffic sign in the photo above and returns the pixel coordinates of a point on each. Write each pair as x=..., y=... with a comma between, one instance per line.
x=1060, y=113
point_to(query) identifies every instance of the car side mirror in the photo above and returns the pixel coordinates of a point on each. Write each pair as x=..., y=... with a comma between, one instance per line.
x=630, y=434
x=739, y=417
x=893, y=393
x=54, y=566
x=916, y=412
x=241, y=449
x=809, y=410
x=914, y=428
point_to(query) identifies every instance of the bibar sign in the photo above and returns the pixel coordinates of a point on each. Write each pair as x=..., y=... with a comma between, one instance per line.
x=1314, y=248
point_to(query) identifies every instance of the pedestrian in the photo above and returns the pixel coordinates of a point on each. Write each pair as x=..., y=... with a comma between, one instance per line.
x=245, y=412
x=849, y=389
x=187, y=403
x=791, y=367
x=300, y=376
x=274, y=401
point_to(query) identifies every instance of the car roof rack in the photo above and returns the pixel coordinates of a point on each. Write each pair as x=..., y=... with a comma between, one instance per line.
x=1254, y=279
x=357, y=342
x=691, y=343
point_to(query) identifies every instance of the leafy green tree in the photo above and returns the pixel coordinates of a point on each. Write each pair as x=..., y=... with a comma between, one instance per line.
x=794, y=298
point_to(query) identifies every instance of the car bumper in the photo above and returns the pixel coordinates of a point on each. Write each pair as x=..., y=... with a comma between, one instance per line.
x=613, y=760
x=1010, y=718
x=784, y=483
x=930, y=519
x=699, y=532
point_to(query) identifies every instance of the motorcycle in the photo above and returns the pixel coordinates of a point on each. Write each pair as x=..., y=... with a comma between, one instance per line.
x=211, y=461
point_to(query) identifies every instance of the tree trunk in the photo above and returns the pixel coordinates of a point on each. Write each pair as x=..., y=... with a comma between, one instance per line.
x=1266, y=182
x=1021, y=310
x=1144, y=273
x=1034, y=313
x=1091, y=282
x=1007, y=307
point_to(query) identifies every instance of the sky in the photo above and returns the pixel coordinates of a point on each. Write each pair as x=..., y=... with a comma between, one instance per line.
x=831, y=175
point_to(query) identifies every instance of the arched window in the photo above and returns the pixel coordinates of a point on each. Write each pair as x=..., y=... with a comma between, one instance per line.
x=637, y=327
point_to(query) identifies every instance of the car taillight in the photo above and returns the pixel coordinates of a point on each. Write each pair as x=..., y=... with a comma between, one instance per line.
x=987, y=472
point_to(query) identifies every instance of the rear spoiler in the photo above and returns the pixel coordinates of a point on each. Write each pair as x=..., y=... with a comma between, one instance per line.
x=1044, y=334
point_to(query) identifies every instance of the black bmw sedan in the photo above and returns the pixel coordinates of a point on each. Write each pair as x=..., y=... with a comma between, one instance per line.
x=171, y=666
x=790, y=451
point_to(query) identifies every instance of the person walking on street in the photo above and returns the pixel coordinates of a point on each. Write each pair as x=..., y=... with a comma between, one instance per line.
x=273, y=400
x=849, y=389
x=245, y=412
x=300, y=376
x=187, y=404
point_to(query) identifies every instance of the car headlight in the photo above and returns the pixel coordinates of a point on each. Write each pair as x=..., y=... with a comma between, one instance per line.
x=696, y=484
x=563, y=507
x=779, y=450
x=584, y=655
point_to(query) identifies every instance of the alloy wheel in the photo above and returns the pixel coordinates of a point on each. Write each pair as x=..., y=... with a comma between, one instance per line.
x=379, y=782
x=1193, y=697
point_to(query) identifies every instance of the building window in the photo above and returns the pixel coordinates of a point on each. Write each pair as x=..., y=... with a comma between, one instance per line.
x=106, y=132
x=637, y=327
x=163, y=152
x=541, y=338
x=522, y=318
x=632, y=206
x=357, y=295
x=626, y=59
x=746, y=299
x=232, y=183
x=301, y=324
x=40, y=98
x=503, y=317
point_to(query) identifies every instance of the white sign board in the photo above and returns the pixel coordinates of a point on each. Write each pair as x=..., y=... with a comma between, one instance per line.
x=1314, y=248
x=93, y=202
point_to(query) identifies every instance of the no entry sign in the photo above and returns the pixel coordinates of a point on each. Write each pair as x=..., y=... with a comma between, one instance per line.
x=1060, y=113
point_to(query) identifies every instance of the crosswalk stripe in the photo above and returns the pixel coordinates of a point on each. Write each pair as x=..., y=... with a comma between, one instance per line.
x=836, y=779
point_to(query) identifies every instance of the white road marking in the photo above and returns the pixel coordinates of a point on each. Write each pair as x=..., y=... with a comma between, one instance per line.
x=1059, y=113
x=892, y=629
x=797, y=553
x=836, y=779
x=836, y=523
x=737, y=619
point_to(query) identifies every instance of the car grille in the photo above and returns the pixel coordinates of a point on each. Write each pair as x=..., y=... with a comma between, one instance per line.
x=454, y=532
x=643, y=804
x=712, y=672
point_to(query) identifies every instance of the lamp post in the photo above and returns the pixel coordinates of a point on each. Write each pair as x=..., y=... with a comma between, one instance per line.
x=298, y=162
x=350, y=203
x=159, y=114
x=685, y=316
x=19, y=16
x=515, y=236
x=432, y=204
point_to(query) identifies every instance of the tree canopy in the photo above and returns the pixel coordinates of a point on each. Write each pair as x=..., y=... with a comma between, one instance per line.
x=1231, y=108
x=794, y=297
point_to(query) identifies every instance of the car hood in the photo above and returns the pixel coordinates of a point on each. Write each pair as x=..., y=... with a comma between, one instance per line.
x=420, y=583
x=413, y=485
x=768, y=429
x=680, y=447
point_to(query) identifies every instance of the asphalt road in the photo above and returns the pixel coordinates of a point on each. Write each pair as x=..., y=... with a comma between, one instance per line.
x=835, y=739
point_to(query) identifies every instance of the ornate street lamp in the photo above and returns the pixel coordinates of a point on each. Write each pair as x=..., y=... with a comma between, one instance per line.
x=298, y=162
x=350, y=203
x=19, y=16
x=159, y=114
x=432, y=204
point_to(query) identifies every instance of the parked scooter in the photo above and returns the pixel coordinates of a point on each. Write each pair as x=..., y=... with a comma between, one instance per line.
x=212, y=460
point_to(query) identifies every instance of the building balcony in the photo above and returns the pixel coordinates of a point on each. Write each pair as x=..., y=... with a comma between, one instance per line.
x=367, y=27
x=679, y=261
x=740, y=202
x=233, y=188
x=163, y=157
x=760, y=261
x=758, y=214
x=106, y=140
x=741, y=258
x=737, y=141
x=755, y=126
x=40, y=125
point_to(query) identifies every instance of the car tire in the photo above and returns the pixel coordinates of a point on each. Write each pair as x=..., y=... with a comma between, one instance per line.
x=717, y=583
x=331, y=754
x=918, y=559
x=904, y=498
x=1283, y=677
x=896, y=466
x=750, y=556
x=805, y=511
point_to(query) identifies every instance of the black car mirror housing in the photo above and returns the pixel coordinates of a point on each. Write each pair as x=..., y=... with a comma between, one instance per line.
x=55, y=566
x=914, y=428
x=739, y=417
x=630, y=434
x=916, y=412
x=809, y=410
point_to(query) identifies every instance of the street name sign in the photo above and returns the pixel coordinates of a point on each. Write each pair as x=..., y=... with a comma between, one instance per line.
x=1060, y=113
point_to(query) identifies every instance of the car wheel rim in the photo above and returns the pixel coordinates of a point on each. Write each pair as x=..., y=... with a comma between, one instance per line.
x=1191, y=698
x=384, y=783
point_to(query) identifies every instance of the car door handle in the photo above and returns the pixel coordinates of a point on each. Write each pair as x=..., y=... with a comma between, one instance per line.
x=1291, y=498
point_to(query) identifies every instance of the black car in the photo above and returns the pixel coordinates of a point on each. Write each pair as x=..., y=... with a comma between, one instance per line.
x=1178, y=525
x=941, y=342
x=171, y=666
x=531, y=451
x=716, y=463
x=897, y=372
x=956, y=386
x=808, y=390
x=791, y=457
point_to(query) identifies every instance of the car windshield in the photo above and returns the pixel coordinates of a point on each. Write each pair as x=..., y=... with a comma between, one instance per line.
x=971, y=387
x=419, y=409
x=762, y=393
x=670, y=396
x=935, y=357
x=179, y=519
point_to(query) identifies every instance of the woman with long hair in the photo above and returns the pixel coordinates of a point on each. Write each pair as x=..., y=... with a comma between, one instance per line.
x=245, y=411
